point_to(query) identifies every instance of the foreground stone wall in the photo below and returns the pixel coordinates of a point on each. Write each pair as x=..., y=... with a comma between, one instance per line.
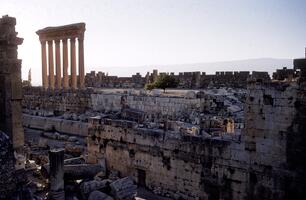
x=267, y=163
x=172, y=163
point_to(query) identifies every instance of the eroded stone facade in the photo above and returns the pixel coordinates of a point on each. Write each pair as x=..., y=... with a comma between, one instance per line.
x=10, y=83
x=266, y=162
x=11, y=129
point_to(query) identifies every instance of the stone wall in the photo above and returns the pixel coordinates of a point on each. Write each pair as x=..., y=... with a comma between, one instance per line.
x=58, y=102
x=172, y=163
x=187, y=80
x=53, y=124
x=172, y=106
x=268, y=162
x=82, y=101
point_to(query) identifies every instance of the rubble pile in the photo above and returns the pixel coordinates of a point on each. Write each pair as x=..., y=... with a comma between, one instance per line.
x=7, y=182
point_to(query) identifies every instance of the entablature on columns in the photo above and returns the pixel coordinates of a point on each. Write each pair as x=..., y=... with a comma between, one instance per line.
x=62, y=32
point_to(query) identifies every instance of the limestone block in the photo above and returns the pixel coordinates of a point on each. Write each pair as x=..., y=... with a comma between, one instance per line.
x=190, y=95
x=97, y=195
x=90, y=186
x=123, y=189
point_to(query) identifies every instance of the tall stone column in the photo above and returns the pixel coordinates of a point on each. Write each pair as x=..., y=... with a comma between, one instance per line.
x=65, y=64
x=44, y=65
x=56, y=160
x=51, y=65
x=81, y=63
x=73, y=64
x=58, y=82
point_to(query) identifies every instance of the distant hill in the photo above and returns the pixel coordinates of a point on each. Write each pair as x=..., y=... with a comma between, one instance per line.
x=260, y=64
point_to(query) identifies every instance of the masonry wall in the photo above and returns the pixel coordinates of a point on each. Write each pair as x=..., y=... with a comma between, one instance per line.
x=172, y=162
x=57, y=101
x=187, y=80
x=54, y=124
x=171, y=106
x=81, y=101
x=266, y=163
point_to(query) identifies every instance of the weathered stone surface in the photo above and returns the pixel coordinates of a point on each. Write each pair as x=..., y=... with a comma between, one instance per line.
x=123, y=189
x=50, y=34
x=90, y=186
x=255, y=166
x=97, y=195
x=7, y=180
x=10, y=83
x=56, y=175
x=187, y=80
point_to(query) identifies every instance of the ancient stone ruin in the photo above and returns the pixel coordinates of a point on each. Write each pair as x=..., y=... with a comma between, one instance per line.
x=11, y=129
x=56, y=35
x=187, y=80
x=241, y=137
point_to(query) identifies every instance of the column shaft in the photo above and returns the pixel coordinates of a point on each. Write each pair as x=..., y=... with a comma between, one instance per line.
x=56, y=160
x=65, y=64
x=51, y=65
x=58, y=84
x=44, y=65
x=81, y=63
x=73, y=64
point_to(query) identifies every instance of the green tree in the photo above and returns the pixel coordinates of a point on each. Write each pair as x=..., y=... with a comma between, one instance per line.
x=165, y=81
x=149, y=86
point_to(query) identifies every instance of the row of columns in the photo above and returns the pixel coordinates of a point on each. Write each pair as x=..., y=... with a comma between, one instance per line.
x=56, y=83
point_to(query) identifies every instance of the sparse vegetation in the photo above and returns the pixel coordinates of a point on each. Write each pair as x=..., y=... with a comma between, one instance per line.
x=163, y=82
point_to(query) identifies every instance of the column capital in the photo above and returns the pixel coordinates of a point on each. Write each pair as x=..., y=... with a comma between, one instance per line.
x=42, y=41
x=72, y=39
x=50, y=41
x=57, y=41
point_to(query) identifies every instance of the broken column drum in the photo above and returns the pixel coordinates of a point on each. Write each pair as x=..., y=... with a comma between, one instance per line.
x=53, y=37
x=56, y=175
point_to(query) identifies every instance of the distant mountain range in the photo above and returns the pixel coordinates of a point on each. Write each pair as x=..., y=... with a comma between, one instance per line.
x=259, y=64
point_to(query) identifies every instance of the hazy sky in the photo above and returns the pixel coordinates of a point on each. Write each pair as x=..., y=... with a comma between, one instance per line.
x=154, y=32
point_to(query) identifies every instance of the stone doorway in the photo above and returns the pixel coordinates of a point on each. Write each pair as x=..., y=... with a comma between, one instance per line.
x=141, y=177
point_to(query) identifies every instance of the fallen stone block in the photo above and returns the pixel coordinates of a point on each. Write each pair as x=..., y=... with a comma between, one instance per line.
x=90, y=186
x=76, y=172
x=97, y=195
x=123, y=189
